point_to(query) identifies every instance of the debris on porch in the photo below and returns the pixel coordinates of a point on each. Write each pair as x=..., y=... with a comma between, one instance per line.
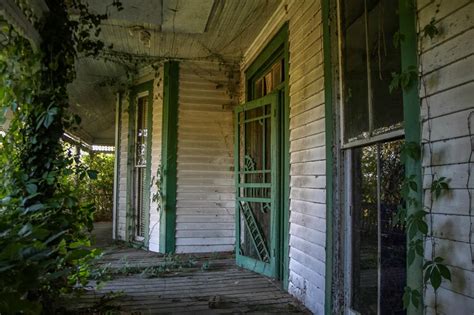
x=141, y=282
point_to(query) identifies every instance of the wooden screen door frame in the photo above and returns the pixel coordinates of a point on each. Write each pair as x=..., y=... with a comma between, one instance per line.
x=270, y=267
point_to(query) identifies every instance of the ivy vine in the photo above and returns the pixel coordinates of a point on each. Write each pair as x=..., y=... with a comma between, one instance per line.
x=434, y=269
x=43, y=227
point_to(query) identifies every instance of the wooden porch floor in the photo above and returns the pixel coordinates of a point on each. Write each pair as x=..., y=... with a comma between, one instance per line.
x=196, y=284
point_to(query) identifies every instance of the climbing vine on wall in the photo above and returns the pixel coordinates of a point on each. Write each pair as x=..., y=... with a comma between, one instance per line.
x=416, y=223
x=43, y=227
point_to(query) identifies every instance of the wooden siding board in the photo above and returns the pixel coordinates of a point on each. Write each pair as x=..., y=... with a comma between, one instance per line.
x=205, y=198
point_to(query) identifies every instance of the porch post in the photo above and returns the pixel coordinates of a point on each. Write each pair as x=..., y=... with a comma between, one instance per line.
x=169, y=157
x=411, y=110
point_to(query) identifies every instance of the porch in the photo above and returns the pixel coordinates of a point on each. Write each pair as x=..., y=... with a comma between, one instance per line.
x=151, y=283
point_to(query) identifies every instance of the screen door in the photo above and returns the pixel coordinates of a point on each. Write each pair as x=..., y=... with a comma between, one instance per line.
x=256, y=176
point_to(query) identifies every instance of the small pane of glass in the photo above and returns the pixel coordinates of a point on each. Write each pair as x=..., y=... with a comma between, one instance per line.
x=356, y=110
x=384, y=60
x=392, y=238
x=268, y=82
x=378, y=246
x=141, y=132
x=365, y=231
x=370, y=58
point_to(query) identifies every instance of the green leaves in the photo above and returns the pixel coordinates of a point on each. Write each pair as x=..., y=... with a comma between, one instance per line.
x=435, y=271
x=403, y=80
x=438, y=186
x=410, y=150
x=430, y=30
x=411, y=296
x=92, y=174
x=416, y=224
x=415, y=247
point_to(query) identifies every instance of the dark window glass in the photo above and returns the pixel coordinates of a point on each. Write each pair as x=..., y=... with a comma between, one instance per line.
x=384, y=60
x=356, y=110
x=378, y=247
x=365, y=231
x=370, y=58
x=392, y=238
x=139, y=186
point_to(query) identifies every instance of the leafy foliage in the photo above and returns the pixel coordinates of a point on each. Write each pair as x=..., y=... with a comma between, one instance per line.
x=417, y=228
x=97, y=187
x=431, y=30
x=44, y=227
x=403, y=80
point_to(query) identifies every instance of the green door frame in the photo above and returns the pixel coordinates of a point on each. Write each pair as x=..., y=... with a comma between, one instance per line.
x=278, y=48
x=169, y=156
x=135, y=91
x=412, y=126
x=269, y=269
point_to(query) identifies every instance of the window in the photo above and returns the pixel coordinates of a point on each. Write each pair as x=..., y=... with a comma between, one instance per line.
x=372, y=136
x=139, y=169
x=269, y=81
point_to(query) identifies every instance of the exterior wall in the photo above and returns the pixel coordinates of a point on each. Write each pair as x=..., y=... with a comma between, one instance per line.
x=205, y=185
x=307, y=146
x=447, y=90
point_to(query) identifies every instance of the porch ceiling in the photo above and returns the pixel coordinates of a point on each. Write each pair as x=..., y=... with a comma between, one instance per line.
x=154, y=30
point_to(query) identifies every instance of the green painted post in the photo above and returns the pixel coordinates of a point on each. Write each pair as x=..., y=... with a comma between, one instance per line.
x=169, y=156
x=411, y=109
x=329, y=116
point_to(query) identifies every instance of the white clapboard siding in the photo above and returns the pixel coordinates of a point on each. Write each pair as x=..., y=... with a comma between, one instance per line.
x=155, y=213
x=447, y=98
x=205, y=186
x=307, y=145
x=122, y=176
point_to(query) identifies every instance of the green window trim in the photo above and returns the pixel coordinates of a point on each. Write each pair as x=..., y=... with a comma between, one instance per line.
x=135, y=91
x=169, y=154
x=411, y=112
x=278, y=48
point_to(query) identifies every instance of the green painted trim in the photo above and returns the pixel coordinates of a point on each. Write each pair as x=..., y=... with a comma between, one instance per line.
x=285, y=161
x=169, y=155
x=411, y=112
x=118, y=125
x=329, y=122
x=143, y=87
x=278, y=48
